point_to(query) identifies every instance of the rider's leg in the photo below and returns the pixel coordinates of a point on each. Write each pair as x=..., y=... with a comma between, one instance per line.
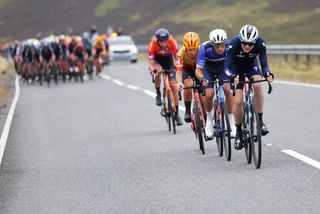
x=229, y=103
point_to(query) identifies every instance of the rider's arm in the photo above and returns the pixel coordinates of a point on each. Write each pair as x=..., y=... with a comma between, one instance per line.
x=229, y=60
x=151, y=53
x=201, y=61
x=263, y=58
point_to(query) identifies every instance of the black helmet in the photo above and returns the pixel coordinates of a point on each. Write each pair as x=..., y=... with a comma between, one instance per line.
x=162, y=34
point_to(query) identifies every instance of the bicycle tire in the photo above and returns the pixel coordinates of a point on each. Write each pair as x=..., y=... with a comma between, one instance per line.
x=48, y=77
x=246, y=138
x=199, y=128
x=226, y=128
x=164, y=108
x=217, y=130
x=172, y=112
x=256, y=136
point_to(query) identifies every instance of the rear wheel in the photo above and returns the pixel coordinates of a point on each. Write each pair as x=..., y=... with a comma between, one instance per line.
x=255, y=133
x=226, y=129
x=198, y=128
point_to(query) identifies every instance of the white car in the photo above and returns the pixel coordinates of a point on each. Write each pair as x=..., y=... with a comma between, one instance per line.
x=123, y=48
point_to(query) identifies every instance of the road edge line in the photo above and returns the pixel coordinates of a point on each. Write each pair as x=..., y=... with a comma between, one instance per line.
x=301, y=157
x=7, y=125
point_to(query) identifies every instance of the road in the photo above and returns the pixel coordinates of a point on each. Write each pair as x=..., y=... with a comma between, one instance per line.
x=102, y=147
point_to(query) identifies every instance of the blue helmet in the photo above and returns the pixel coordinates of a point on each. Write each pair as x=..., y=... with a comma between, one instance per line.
x=162, y=34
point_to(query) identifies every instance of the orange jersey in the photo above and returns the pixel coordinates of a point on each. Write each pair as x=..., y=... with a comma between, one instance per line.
x=155, y=50
x=185, y=61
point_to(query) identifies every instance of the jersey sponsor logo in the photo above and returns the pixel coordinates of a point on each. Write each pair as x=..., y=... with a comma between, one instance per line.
x=263, y=44
x=240, y=55
x=255, y=68
x=252, y=54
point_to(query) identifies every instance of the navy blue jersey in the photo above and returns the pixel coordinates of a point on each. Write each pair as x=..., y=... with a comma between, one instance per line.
x=236, y=56
x=207, y=54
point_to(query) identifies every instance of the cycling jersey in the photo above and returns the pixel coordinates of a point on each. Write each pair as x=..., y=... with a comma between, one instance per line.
x=99, y=45
x=236, y=58
x=155, y=50
x=207, y=54
x=79, y=50
x=185, y=61
x=211, y=62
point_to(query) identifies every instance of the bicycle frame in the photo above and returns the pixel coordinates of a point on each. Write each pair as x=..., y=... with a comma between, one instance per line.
x=167, y=90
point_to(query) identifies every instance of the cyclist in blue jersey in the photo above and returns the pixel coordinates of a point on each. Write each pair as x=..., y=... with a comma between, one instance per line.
x=242, y=52
x=210, y=63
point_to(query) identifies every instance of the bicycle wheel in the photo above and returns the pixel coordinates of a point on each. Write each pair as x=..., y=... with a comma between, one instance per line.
x=165, y=111
x=198, y=128
x=218, y=133
x=255, y=133
x=172, y=113
x=226, y=129
x=246, y=138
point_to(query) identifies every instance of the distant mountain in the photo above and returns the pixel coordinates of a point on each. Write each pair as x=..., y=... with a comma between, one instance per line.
x=278, y=21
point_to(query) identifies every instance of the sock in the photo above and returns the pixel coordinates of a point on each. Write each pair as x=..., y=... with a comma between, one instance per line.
x=158, y=91
x=177, y=110
x=260, y=118
x=239, y=128
x=209, y=116
x=231, y=118
x=187, y=105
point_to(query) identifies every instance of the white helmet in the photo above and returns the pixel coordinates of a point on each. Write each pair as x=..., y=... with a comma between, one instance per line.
x=249, y=33
x=218, y=36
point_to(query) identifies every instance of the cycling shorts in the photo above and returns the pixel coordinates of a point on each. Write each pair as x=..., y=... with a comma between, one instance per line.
x=249, y=70
x=167, y=63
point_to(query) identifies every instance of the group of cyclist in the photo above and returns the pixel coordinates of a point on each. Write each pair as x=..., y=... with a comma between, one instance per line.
x=229, y=61
x=64, y=55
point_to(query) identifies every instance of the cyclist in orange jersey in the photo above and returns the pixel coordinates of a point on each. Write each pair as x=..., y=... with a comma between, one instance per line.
x=162, y=55
x=186, y=66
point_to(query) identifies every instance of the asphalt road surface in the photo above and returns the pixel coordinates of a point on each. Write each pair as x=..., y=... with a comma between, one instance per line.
x=102, y=147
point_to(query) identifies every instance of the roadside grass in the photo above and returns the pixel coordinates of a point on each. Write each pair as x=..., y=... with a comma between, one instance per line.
x=6, y=75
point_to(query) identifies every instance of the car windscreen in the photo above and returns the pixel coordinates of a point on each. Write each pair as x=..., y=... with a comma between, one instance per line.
x=121, y=42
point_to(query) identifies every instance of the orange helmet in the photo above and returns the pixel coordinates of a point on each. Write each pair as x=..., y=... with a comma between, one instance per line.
x=191, y=40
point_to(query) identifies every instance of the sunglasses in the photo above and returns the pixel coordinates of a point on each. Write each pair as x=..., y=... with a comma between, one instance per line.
x=247, y=43
x=219, y=45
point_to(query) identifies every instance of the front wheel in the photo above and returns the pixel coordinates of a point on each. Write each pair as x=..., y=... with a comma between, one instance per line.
x=226, y=129
x=198, y=122
x=172, y=113
x=217, y=129
x=246, y=137
x=255, y=133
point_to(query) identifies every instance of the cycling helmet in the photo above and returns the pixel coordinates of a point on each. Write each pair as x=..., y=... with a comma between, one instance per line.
x=218, y=36
x=86, y=35
x=191, y=40
x=249, y=34
x=162, y=34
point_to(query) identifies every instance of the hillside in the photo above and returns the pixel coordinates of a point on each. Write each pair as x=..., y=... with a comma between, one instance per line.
x=286, y=21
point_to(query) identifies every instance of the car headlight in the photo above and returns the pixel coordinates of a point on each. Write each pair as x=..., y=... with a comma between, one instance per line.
x=134, y=50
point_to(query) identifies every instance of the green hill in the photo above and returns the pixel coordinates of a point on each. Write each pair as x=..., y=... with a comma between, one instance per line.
x=281, y=21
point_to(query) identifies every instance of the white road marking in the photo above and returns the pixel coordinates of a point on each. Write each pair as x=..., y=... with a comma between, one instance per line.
x=150, y=93
x=7, y=125
x=118, y=82
x=297, y=84
x=133, y=87
x=107, y=77
x=302, y=158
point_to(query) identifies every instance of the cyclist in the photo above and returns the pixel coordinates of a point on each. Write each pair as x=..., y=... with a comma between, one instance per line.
x=242, y=58
x=79, y=56
x=210, y=63
x=98, y=50
x=47, y=56
x=186, y=66
x=162, y=54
